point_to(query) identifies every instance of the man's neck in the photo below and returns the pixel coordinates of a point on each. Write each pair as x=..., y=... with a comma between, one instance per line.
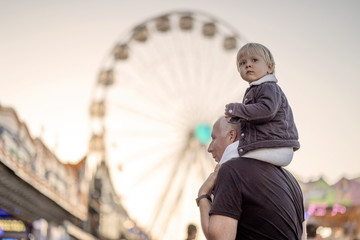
x=230, y=152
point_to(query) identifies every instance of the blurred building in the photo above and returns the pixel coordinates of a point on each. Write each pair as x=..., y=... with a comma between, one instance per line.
x=334, y=209
x=43, y=198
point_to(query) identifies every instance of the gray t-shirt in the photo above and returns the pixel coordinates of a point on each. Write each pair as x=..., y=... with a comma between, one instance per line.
x=265, y=199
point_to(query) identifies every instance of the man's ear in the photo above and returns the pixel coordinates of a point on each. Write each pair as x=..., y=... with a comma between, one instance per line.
x=232, y=135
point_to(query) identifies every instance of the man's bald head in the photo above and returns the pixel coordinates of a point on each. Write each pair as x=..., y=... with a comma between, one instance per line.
x=226, y=127
x=223, y=134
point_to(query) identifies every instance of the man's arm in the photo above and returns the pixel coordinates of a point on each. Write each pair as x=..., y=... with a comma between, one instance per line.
x=304, y=235
x=204, y=206
x=222, y=227
x=215, y=226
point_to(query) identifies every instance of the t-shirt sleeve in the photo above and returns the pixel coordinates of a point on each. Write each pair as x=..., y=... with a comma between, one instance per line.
x=227, y=194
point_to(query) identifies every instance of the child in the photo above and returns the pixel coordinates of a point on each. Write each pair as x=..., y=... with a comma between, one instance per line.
x=268, y=131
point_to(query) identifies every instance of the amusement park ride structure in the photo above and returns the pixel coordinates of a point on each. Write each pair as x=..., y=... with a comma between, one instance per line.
x=157, y=95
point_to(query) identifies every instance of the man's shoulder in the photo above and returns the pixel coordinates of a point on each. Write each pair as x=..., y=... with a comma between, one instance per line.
x=257, y=169
x=247, y=162
x=245, y=166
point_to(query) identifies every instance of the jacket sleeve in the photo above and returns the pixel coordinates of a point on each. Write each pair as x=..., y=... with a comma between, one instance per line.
x=261, y=109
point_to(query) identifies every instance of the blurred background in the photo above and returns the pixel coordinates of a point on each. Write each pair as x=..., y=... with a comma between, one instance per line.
x=136, y=86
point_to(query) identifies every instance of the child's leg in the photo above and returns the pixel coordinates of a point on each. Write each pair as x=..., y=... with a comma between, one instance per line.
x=276, y=156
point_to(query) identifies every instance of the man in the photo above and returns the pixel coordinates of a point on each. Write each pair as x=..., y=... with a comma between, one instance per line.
x=252, y=199
x=191, y=232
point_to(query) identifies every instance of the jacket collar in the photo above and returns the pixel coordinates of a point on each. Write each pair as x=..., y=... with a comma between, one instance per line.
x=266, y=78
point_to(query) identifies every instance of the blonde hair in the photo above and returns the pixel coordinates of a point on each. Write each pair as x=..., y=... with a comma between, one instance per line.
x=258, y=49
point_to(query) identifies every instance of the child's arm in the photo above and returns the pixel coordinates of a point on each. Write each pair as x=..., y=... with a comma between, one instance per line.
x=226, y=112
x=267, y=104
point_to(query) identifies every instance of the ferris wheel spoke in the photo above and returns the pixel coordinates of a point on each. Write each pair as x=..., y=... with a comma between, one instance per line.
x=207, y=165
x=156, y=51
x=171, y=77
x=150, y=64
x=152, y=89
x=164, y=161
x=177, y=61
x=148, y=116
x=167, y=108
x=229, y=95
x=202, y=161
x=149, y=151
x=147, y=134
x=237, y=84
x=153, y=94
x=175, y=204
x=210, y=74
x=165, y=195
x=160, y=205
x=186, y=64
x=192, y=82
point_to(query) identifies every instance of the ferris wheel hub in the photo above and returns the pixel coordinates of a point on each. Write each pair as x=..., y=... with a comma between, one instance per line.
x=203, y=133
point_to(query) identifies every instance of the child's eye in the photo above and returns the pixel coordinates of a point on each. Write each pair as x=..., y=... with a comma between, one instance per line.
x=242, y=63
x=254, y=60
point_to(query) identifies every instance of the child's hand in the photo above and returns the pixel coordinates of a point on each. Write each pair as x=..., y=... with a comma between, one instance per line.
x=226, y=110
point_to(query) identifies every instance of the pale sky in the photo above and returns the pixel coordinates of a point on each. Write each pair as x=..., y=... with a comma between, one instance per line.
x=51, y=52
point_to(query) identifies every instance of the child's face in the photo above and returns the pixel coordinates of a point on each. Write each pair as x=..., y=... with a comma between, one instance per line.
x=253, y=67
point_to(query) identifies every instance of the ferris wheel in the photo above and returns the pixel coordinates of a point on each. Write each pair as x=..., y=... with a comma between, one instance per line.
x=157, y=95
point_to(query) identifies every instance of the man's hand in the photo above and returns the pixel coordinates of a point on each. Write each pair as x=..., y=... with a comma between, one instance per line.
x=209, y=183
